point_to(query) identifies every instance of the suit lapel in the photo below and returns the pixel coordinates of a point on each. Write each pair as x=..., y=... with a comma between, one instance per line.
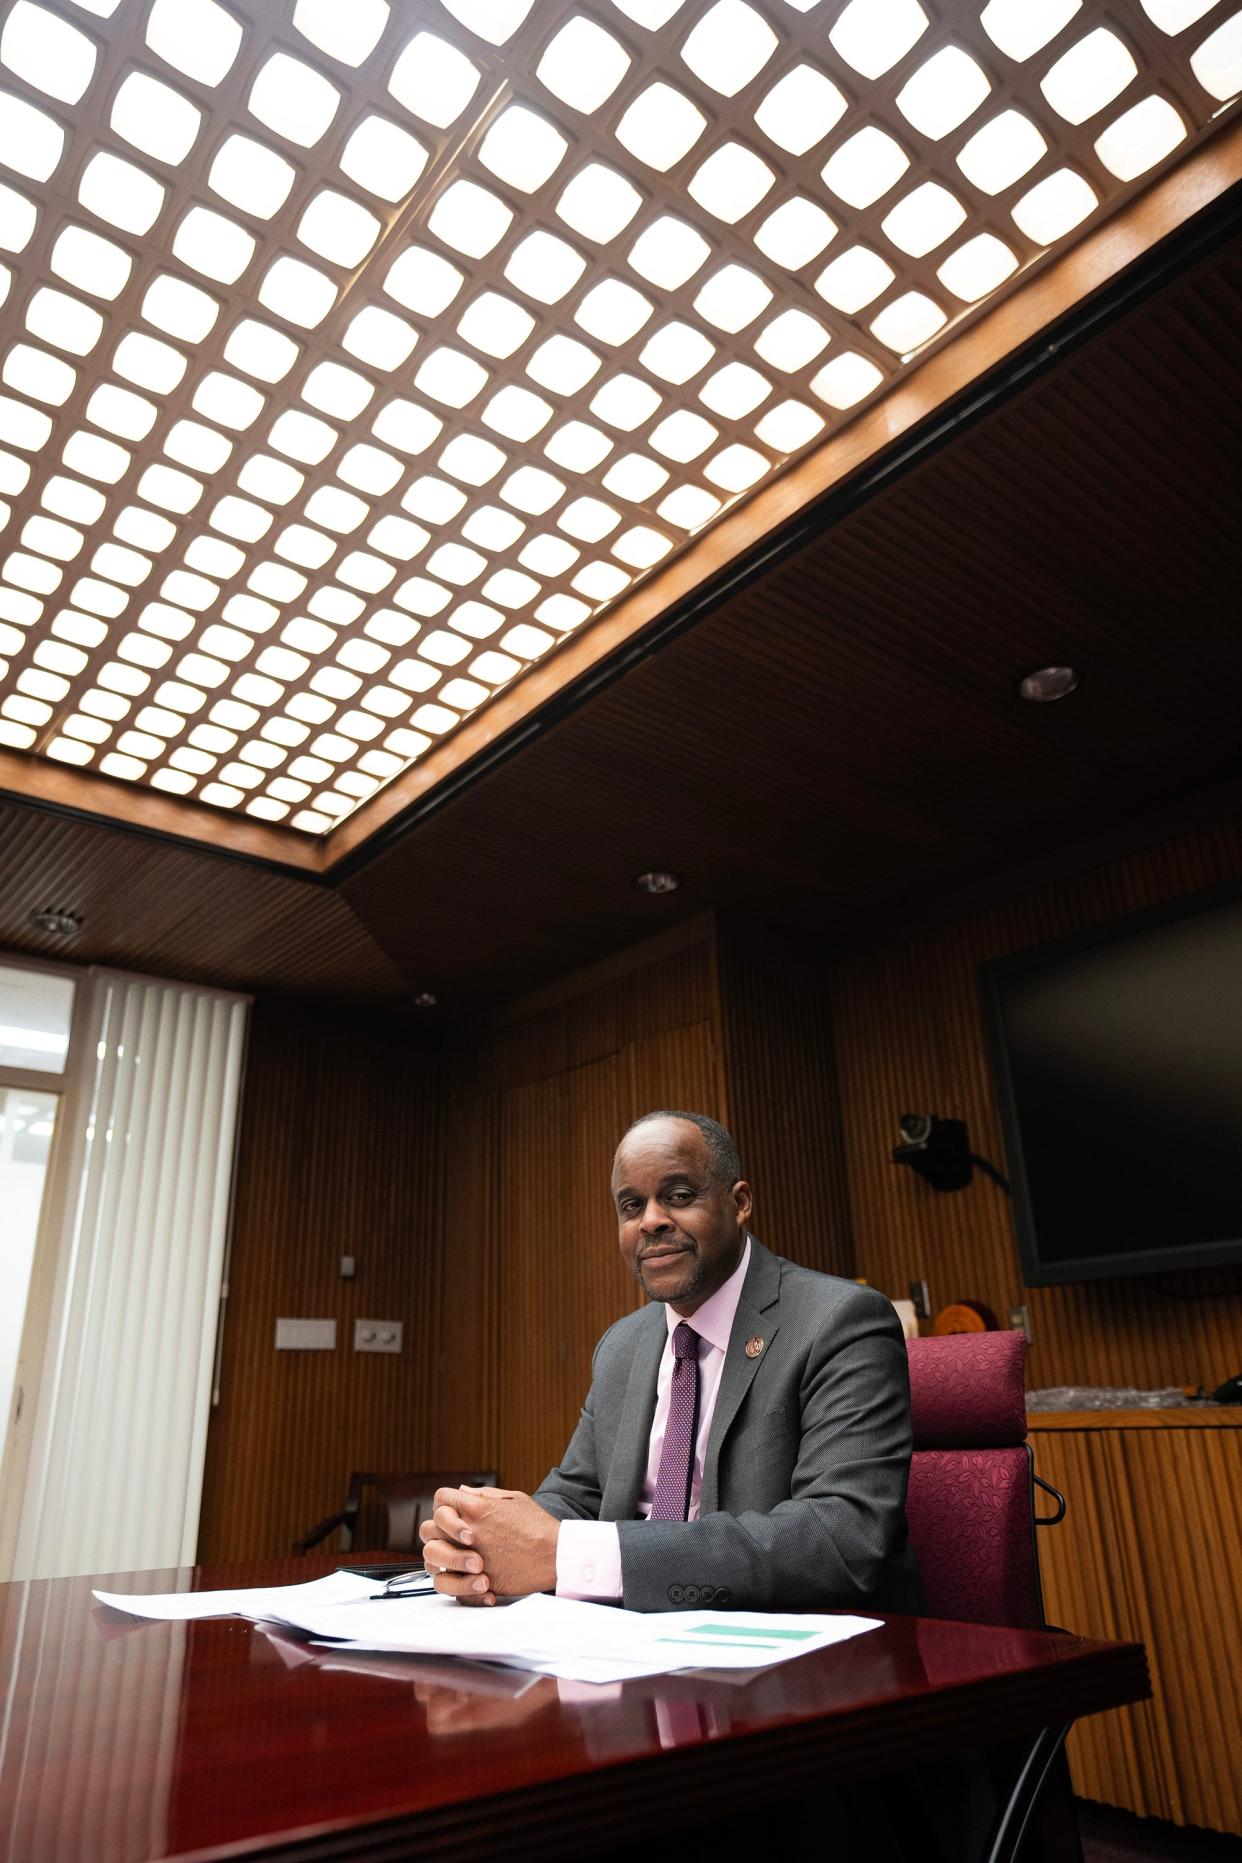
x=628, y=1462
x=756, y=1318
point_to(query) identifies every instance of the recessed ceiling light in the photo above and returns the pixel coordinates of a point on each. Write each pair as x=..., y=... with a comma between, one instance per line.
x=493, y=20
x=799, y=111
x=1019, y=29
x=1001, y=152
x=865, y=166
x=155, y=118
x=296, y=101
x=658, y=880
x=382, y=158
x=58, y=921
x=1048, y=683
x=1089, y=75
x=795, y=233
x=48, y=52
x=731, y=182
x=583, y=65
x=544, y=267
x=33, y=142
x=791, y=340
x=871, y=35
x=379, y=337
x=1140, y=138
x=613, y=311
x=195, y=36
x=733, y=297
x=346, y=33
x=211, y=243
x=433, y=79
x=338, y=228
x=660, y=126
x=251, y=176
x=676, y=353
x=599, y=203
x=469, y=218
x=729, y=46
x=943, y=92
x=522, y=148
x=300, y=293
x=1054, y=206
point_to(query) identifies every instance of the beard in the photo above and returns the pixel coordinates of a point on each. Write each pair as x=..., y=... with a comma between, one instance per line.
x=694, y=1275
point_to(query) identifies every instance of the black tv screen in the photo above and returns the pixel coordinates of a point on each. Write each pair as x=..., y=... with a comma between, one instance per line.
x=1118, y=1059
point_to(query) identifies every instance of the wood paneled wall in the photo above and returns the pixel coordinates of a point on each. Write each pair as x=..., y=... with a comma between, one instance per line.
x=340, y=1144
x=776, y=1027
x=910, y=1038
x=532, y=1275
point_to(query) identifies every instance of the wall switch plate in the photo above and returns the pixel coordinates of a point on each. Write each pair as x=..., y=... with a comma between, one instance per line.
x=306, y=1335
x=1020, y=1322
x=922, y=1300
x=347, y=1268
x=378, y=1335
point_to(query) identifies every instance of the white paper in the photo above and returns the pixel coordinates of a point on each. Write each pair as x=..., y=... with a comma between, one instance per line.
x=582, y=1642
x=253, y=1601
x=597, y=1643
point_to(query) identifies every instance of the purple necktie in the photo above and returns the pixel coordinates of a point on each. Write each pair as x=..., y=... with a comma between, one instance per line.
x=672, y=1495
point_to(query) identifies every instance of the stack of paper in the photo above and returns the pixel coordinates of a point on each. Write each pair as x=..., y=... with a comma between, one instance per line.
x=551, y=1636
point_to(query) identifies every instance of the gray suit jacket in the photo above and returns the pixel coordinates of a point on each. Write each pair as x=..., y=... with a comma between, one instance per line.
x=804, y=1480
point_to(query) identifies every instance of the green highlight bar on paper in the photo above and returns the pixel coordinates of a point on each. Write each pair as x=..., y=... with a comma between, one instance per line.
x=765, y=1634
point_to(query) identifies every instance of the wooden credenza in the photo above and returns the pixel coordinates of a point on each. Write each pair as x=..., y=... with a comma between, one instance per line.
x=1151, y=1548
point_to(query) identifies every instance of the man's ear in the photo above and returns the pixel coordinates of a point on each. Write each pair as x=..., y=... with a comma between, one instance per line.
x=742, y=1199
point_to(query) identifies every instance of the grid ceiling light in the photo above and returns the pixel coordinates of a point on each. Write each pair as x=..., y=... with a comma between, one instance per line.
x=354, y=355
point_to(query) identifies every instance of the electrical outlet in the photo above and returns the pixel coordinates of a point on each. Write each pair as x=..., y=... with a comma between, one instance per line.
x=377, y=1335
x=1020, y=1322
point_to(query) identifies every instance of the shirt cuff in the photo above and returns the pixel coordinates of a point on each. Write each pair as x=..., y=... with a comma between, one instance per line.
x=588, y=1561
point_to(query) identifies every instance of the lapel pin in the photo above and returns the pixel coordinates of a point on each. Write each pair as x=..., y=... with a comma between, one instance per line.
x=754, y=1347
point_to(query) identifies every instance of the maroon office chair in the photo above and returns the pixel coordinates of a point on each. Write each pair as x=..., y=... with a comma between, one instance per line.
x=406, y=1499
x=971, y=1511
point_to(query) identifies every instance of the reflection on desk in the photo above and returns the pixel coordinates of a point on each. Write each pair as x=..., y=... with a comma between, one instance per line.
x=132, y=1740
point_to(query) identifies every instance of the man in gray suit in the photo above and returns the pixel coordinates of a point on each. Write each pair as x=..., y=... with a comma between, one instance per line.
x=763, y=1467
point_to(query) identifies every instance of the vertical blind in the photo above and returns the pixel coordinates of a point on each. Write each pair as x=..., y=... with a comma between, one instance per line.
x=115, y=1470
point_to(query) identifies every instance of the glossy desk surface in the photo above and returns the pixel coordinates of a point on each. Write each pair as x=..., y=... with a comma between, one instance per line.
x=123, y=1740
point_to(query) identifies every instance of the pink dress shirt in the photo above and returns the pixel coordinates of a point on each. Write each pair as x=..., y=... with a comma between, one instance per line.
x=588, y=1552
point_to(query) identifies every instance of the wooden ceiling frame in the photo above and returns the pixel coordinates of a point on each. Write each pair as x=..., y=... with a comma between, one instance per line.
x=718, y=557
x=912, y=392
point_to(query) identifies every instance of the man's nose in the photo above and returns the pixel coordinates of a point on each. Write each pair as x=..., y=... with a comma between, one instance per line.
x=653, y=1218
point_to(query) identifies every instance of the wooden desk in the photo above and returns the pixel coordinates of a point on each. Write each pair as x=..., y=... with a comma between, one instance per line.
x=1151, y=1548
x=130, y=1741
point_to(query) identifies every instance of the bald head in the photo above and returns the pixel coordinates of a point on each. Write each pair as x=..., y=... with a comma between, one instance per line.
x=726, y=1166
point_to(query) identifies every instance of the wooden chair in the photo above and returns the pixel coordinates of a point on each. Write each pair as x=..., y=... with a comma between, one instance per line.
x=406, y=1499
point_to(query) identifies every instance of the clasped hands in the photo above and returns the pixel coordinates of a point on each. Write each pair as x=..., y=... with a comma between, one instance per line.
x=489, y=1543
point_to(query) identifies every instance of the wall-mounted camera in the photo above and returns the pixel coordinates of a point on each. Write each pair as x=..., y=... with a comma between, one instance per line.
x=939, y=1151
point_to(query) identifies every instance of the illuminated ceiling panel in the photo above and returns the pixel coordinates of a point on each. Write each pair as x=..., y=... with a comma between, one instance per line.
x=354, y=355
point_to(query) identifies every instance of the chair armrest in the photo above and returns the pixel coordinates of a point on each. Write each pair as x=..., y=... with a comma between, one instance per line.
x=320, y=1532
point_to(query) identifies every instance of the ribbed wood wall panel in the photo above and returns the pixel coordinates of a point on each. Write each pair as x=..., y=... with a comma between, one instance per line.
x=910, y=1037
x=1151, y=1548
x=340, y=1155
x=532, y=1273
x=781, y=1076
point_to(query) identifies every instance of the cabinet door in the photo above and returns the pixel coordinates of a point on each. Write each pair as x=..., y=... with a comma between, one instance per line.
x=1150, y=1549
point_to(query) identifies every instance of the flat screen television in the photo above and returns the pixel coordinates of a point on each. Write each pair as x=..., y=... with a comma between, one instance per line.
x=1118, y=1060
